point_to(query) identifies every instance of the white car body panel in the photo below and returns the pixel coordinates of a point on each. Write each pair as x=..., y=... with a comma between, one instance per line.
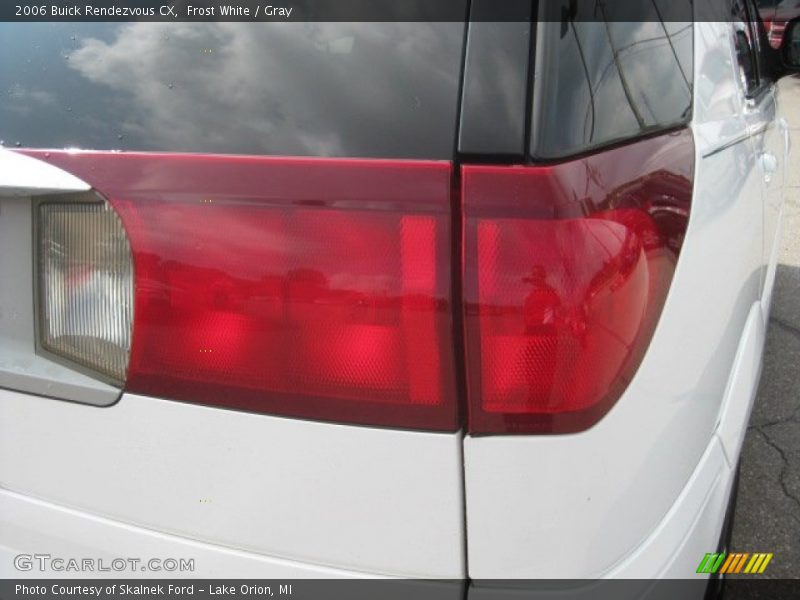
x=28, y=526
x=352, y=498
x=20, y=174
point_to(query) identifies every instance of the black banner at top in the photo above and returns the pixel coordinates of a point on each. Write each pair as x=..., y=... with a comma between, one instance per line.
x=357, y=10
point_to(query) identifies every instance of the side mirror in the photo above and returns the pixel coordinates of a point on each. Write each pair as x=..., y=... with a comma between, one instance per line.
x=790, y=50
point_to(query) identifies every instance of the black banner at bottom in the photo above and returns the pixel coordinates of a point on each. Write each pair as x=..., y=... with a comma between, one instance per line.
x=313, y=589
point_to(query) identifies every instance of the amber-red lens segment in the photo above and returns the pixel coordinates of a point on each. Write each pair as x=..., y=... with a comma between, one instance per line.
x=567, y=268
x=312, y=288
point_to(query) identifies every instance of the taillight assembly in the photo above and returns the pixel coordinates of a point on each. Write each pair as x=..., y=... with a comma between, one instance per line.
x=301, y=287
x=321, y=288
x=775, y=30
x=566, y=270
x=85, y=285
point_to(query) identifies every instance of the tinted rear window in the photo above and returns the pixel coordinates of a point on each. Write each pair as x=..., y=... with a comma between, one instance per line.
x=599, y=82
x=307, y=89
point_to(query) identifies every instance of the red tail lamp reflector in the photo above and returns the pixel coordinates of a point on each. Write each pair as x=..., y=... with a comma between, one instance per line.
x=315, y=288
x=567, y=268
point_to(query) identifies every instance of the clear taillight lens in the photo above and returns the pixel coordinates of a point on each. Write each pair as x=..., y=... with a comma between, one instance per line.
x=85, y=278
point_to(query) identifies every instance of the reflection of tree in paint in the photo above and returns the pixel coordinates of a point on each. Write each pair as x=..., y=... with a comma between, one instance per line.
x=541, y=304
x=541, y=313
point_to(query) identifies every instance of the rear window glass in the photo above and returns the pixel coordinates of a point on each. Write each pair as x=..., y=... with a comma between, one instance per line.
x=307, y=89
x=599, y=82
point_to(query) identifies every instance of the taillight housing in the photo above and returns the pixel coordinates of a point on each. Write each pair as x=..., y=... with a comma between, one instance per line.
x=567, y=267
x=321, y=288
x=84, y=285
x=314, y=288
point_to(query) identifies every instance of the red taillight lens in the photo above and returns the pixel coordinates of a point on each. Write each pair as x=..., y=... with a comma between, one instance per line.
x=776, y=30
x=567, y=268
x=301, y=287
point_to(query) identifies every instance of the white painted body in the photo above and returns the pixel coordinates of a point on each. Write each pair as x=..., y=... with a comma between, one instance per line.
x=22, y=175
x=641, y=494
x=348, y=498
